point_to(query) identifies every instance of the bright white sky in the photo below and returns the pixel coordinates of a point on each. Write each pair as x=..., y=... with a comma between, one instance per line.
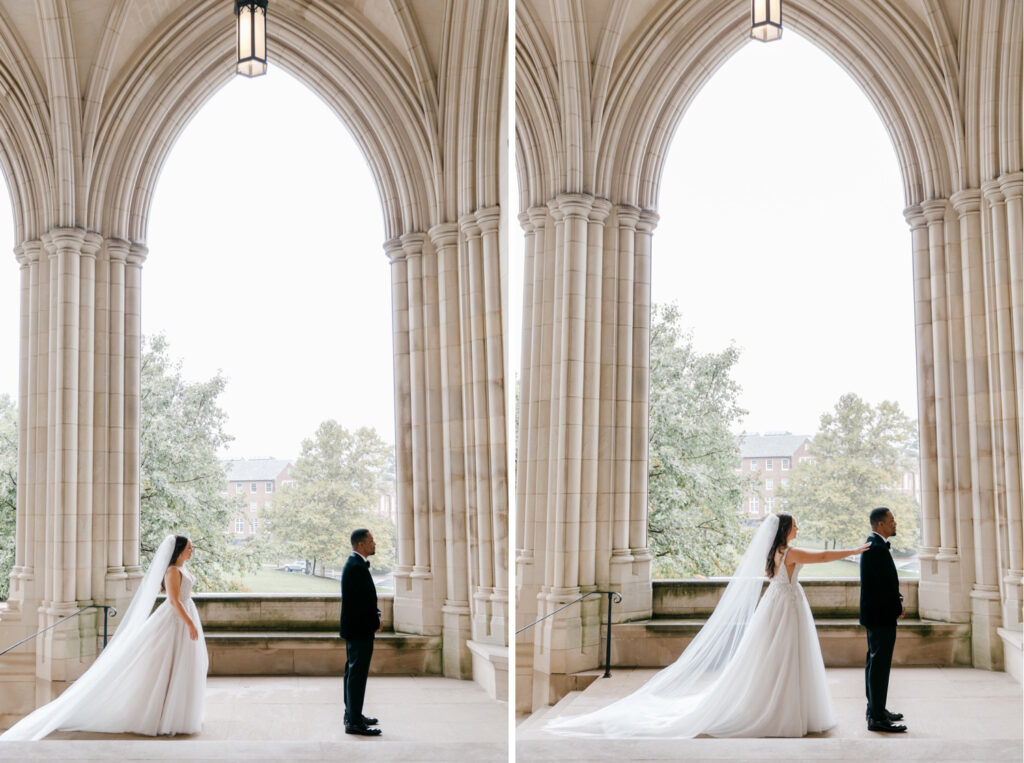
x=782, y=231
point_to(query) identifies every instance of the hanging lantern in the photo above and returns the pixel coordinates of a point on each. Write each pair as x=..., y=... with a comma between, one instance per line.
x=251, y=37
x=766, y=20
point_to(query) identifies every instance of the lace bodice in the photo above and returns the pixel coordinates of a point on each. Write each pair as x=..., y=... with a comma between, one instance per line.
x=782, y=576
x=185, y=589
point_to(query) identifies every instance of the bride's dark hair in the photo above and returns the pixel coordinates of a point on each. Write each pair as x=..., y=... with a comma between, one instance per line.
x=180, y=541
x=785, y=525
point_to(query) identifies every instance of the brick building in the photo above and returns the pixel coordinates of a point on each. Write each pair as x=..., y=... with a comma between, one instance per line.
x=769, y=458
x=254, y=481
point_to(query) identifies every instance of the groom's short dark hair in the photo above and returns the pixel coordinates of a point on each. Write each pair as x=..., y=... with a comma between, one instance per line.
x=358, y=536
x=878, y=515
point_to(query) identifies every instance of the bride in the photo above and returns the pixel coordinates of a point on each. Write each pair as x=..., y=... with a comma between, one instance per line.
x=753, y=670
x=151, y=678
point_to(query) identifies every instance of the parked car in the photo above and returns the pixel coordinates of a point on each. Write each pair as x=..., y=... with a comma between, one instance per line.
x=295, y=567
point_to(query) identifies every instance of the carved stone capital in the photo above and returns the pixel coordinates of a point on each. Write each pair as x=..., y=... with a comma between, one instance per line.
x=28, y=252
x=117, y=249
x=599, y=212
x=915, y=217
x=444, y=235
x=489, y=219
x=628, y=216
x=1012, y=185
x=966, y=201
x=648, y=221
x=137, y=254
x=934, y=210
x=469, y=226
x=64, y=240
x=572, y=204
x=992, y=192
x=412, y=244
x=393, y=250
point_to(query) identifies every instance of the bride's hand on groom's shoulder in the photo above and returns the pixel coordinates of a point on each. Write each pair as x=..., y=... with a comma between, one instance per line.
x=862, y=549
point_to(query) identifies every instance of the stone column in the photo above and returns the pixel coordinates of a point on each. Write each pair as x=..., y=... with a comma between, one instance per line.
x=925, y=393
x=583, y=433
x=1004, y=351
x=455, y=613
x=984, y=594
x=1011, y=187
x=59, y=649
x=491, y=349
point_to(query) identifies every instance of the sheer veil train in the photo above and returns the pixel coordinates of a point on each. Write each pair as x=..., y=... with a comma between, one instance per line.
x=676, y=702
x=75, y=704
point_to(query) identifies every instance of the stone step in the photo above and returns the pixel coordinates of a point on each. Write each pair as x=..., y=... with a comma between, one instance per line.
x=316, y=653
x=658, y=642
x=538, y=719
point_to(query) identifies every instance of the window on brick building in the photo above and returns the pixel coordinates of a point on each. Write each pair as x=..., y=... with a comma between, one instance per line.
x=253, y=487
x=768, y=465
x=785, y=464
x=755, y=505
x=769, y=484
x=238, y=487
x=239, y=525
x=753, y=464
x=269, y=487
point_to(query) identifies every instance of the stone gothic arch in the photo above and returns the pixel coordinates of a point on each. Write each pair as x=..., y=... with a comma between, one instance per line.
x=599, y=92
x=93, y=102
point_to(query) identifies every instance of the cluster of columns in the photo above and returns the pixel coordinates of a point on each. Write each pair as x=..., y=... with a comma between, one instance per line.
x=583, y=431
x=78, y=458
x=451, y=577
x=967, y=285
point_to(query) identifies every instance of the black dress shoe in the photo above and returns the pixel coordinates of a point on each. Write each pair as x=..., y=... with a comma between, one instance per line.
x=889, y=715
x=375, y=722
x=888, y=726
x=362, y=731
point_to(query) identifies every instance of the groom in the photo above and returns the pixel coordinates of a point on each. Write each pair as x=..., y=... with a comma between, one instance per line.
x=360, y=619
x=881, y=605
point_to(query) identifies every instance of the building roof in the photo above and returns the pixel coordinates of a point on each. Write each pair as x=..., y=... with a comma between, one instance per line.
x=771, y=445
x=254, y=469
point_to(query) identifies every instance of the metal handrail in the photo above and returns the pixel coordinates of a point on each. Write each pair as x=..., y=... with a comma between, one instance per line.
x=107, y=609
x=614, y=597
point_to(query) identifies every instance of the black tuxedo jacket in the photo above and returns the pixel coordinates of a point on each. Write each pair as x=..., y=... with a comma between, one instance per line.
x=359, y=613
x=881, y=602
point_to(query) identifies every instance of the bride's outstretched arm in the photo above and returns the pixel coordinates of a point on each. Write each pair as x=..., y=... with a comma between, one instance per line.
x=804, y=556
x=172, y=582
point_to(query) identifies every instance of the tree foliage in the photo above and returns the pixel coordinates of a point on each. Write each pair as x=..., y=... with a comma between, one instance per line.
x=8, y=489
x=860, y=453
x=182, y=480
x=695, y=490
x=334, y=488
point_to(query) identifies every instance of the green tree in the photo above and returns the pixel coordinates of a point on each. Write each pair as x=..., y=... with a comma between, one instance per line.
x=859, y=455
x=8, y=489
x=695, y=490
x=334, y=488
x=182, y=480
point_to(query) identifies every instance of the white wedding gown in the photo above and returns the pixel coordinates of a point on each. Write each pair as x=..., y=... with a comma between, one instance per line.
x=771, y=683
x=150, y=681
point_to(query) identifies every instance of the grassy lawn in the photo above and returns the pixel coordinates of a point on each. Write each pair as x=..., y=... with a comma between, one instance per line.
x=841, y=569
x=277, y=581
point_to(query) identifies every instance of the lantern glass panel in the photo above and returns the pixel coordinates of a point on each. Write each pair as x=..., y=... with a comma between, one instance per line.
x=244, y=32
x=260, y=23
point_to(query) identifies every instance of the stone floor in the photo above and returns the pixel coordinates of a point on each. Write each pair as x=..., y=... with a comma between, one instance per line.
x=953, y=714
x=285, y=718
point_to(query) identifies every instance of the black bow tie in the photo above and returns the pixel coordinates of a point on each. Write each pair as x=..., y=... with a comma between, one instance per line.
x=888, y=544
